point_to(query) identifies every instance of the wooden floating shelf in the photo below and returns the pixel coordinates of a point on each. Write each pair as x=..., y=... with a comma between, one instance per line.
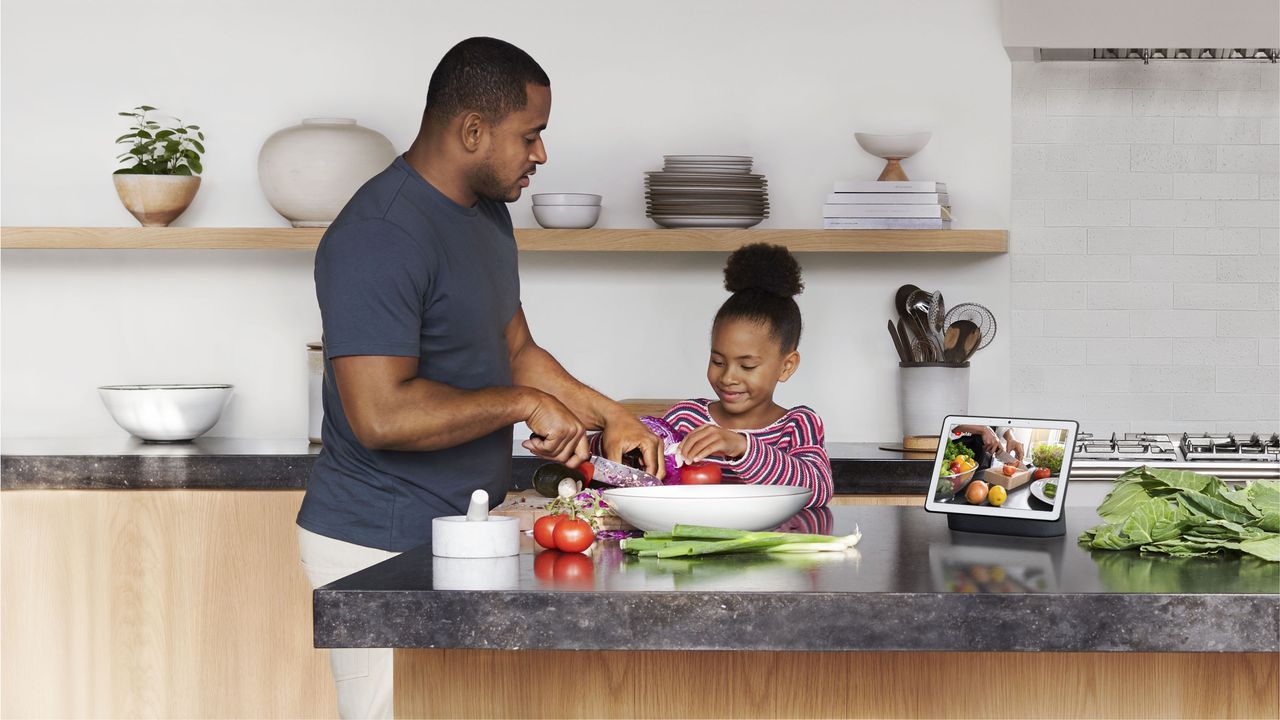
x=529, y=239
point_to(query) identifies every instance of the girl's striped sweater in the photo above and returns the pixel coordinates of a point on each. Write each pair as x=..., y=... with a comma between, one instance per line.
x=789, y=451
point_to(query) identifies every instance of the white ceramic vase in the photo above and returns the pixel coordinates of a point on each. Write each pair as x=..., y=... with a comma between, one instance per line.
x=309, y=171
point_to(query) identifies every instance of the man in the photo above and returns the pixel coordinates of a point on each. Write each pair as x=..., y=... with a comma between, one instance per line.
x=429, y=360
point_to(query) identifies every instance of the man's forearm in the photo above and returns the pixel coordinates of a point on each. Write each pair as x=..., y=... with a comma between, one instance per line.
x=536, y=368
x=427, y=415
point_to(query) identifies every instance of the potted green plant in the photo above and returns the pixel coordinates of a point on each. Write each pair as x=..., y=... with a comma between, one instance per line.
x=165, y=168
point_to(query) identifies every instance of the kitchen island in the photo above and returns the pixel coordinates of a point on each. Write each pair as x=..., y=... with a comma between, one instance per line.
x=919, y=621
x=162, y=580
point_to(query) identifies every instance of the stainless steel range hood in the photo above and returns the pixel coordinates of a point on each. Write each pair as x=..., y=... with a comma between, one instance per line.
x=1056, y=30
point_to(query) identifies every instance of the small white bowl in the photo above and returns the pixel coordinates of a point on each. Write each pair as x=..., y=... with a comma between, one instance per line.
x=739, y=507
x=566, y=199
x=893, y=147
x=566, y=216
x=165, y=413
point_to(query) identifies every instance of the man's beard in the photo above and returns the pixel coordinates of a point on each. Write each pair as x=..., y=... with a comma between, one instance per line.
x=486, y=183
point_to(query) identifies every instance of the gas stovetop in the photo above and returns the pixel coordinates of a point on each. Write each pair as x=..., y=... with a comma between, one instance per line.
x=1226, y=455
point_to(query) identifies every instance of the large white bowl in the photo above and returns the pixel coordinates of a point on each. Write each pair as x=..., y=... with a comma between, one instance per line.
x=566, y=216
x=893, y=147
x=566, y=199
x=165, y=413
x=740, y=507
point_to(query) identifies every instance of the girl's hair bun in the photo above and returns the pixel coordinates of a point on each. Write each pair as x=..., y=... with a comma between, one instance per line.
x=761, y=266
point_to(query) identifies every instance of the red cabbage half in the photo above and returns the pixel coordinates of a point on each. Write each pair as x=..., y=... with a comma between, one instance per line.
x=670, y=438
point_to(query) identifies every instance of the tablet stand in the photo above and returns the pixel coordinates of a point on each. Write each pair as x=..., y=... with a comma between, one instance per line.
x=1009, y=526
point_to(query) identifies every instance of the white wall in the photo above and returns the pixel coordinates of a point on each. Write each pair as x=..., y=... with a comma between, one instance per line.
x=786, y=82
x=1145, y=244
x=1140, y=24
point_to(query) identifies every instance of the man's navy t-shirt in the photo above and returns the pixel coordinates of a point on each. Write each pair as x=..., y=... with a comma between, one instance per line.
x=406, y=271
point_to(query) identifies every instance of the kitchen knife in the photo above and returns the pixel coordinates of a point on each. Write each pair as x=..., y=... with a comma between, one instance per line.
x=619, y=475
x=1007, y=458
x=612, y=473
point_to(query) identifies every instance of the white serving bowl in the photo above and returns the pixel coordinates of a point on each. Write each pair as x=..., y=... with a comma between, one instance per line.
x=740, y=507
x=566, y=216
x=893, y=147
x=566, y=199
x=165, y=413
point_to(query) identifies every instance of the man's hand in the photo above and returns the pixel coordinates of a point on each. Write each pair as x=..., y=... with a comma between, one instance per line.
x=990, y=442
x=708, y=440
x=1015, y=448
x=623, y=432
x=558, y=434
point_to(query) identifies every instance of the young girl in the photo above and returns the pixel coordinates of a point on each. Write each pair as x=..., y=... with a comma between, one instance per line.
x=754, y=341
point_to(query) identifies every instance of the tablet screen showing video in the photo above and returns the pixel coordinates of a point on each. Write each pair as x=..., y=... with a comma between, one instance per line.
x=1002, y=467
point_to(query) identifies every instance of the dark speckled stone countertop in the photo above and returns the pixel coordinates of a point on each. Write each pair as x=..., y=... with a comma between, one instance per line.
x=913, y=584
x=213, y=463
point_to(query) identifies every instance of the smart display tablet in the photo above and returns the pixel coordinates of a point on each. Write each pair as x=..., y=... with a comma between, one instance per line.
x=1027, y=459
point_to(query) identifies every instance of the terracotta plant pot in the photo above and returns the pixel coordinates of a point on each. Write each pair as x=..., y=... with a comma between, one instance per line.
x=156, y=200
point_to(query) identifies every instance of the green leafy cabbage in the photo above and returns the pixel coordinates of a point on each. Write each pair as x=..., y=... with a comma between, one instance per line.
x=1181, y=513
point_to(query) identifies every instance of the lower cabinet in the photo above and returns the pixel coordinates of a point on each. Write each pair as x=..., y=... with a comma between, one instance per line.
x=156, y=604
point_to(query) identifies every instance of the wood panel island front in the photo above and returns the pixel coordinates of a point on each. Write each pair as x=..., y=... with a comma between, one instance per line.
x=921, y=621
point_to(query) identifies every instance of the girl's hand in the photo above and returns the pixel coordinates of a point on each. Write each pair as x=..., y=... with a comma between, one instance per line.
x=708, y=440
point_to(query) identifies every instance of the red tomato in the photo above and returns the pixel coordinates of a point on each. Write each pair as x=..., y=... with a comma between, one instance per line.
x=587, y=470
x=544, y=529
x=574, y=569
x=703, y=473
x=573, y=536
x=1041, y=473
x=544, y=564
x=1009, y=470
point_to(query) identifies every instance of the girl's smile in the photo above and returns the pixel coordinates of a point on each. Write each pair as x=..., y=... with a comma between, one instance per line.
x=746, y=365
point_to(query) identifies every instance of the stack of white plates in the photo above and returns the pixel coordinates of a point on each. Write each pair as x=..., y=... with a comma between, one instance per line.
x=706, y=191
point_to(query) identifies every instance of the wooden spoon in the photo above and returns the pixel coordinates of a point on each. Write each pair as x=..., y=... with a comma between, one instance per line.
x=961, y=341
x=951, y=345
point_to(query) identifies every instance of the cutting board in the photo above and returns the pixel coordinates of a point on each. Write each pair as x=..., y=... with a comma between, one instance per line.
x=527, y=506
x=996, y=476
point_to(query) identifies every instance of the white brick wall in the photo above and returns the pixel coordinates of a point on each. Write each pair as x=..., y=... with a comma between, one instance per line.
x=1145, y=245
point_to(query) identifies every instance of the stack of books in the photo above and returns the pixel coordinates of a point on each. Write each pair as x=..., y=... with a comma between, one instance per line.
x=887, y=205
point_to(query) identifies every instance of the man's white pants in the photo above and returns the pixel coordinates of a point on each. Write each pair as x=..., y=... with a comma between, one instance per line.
x=362, y=675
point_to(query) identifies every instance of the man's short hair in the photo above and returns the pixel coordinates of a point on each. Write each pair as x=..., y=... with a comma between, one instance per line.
x=483, y=75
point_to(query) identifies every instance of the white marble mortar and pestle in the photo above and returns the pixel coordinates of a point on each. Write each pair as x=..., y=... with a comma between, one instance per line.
x=475, y=551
